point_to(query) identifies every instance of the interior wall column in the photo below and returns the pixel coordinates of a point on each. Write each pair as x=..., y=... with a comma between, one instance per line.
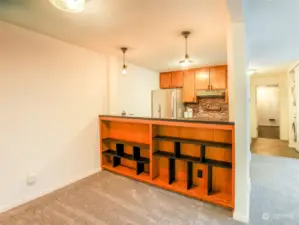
x=239, y=87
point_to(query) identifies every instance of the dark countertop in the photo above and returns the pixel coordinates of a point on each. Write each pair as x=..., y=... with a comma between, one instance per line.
x=193, y=120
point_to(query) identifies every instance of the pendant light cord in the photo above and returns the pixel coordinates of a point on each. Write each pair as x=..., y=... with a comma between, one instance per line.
x=186, y=46
x=124, y=58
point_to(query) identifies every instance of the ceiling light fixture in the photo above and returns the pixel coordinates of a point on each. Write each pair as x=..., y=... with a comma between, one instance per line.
x=74, y=6
x=251, y=72
x=124, y=68
x=186, y=61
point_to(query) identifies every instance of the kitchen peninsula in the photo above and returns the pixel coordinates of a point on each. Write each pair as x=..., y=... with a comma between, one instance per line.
x=191, y=157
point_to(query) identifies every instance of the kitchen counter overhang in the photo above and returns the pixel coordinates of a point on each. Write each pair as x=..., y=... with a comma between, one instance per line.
x=191, y=157
x=154, y=120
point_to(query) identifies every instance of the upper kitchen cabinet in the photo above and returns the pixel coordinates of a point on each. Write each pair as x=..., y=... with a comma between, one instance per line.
x=165, y=80
x=218, y=77
x=171, y=79
x=202, y=79
x=189, y=86
x=177, y=79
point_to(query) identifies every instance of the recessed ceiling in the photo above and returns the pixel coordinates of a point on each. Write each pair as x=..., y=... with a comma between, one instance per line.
x=150, y=29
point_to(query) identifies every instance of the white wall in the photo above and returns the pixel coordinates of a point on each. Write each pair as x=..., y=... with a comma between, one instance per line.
x=238, y=84
x=131, y=92
x=267, y=106
x=274, y=79
x=51, y=94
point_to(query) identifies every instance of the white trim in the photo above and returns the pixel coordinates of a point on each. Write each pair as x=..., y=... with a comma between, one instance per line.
x=241, y=217
x=293, y=67
x=45, y=192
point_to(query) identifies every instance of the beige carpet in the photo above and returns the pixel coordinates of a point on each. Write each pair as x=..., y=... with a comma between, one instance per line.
x=107, y=198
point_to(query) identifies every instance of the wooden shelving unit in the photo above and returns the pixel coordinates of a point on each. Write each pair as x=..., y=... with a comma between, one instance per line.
x=196, y=160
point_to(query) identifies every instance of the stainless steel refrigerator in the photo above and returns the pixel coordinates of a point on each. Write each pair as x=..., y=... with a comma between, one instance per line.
x=167, y=103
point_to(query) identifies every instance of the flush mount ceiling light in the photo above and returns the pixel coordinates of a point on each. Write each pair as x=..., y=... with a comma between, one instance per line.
x=186, y=61
x=73, y=6
x=124, y=68
x=251, y=72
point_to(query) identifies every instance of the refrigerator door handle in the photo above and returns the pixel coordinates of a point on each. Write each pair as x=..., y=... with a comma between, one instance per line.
x=159, y=110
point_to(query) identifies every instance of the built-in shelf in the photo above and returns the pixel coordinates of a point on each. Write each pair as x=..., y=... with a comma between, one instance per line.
x=126, y=171
x=172, y=156
x=194, y=141
x=126, y=156
x=118, y=141
x=206, y=161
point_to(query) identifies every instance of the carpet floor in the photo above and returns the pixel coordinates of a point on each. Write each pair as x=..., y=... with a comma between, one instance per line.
x=106, y=198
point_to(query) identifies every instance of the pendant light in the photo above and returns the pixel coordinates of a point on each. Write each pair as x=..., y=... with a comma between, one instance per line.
x=186, y=61
x=73, y=6
x=124, y=68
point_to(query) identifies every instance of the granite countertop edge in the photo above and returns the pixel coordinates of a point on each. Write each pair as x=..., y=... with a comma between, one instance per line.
x=173, y=120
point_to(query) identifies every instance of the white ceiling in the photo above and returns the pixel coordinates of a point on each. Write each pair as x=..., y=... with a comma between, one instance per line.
x=272, y=33
x=151, y=29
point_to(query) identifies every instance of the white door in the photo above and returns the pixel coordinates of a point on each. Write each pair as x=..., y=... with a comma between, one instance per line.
x=267, y=100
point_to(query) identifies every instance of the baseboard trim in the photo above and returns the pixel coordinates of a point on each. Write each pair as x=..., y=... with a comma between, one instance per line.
x=241, y=217
x=45, y=192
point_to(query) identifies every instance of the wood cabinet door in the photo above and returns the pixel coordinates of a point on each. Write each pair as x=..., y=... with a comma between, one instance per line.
x=165, y=80
x=218, y=77
x=189, y=86
x=202, y=79
x=177, y=79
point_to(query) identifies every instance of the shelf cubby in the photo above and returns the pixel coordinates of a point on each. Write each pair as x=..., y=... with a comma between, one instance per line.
x=189, y=175
x=113, y=153
x=119, y=154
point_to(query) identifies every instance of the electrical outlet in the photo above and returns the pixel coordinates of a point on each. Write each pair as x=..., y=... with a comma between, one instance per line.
x=31, y=178
x=199, y=173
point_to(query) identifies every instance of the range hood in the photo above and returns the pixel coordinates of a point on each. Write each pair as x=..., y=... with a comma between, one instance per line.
x=210, y=93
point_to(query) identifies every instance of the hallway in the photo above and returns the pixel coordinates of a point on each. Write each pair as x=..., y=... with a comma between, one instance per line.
x=273, y=147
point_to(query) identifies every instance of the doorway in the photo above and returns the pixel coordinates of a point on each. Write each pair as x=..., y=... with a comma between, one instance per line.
x=268, y=111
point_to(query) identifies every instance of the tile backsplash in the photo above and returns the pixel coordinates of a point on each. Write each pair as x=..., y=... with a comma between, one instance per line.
x=204, y=109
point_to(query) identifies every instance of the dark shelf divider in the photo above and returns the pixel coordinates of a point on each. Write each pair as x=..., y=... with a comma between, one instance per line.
x=177, y=149
x=194, y=141
x=189, y=175
x=120, y=149
x=136, y=153
x=118, y=141
x=171, y=155
x=171, y=172
x=197, y=160
x=202, y=153
x=115, y=161
x=140, y=168
x=126, y=156
x=210, y=179
x=216, y=163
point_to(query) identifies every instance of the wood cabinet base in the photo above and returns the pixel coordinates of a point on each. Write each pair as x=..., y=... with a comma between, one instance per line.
x=192, y=159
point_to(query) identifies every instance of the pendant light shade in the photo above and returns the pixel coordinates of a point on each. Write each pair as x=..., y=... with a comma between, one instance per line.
x=186, y=61
x=124, y=67
x=73, y=6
